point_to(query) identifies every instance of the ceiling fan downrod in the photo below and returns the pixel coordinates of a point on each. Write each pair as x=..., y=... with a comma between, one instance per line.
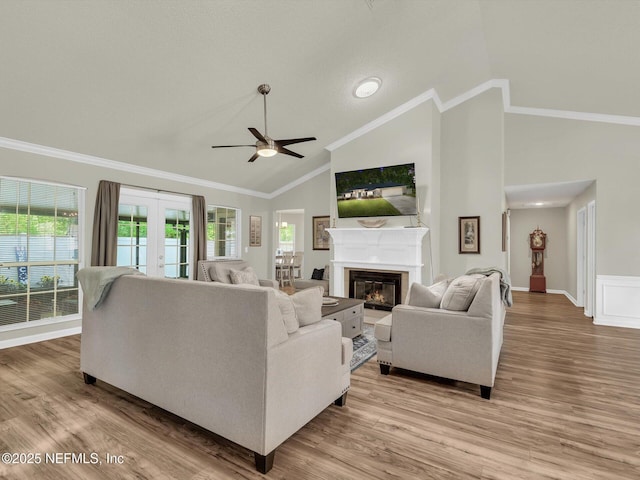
x=264, y=89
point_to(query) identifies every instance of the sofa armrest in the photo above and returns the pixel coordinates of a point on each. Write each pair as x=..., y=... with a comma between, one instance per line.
x=302, y=284
x=269, y=283
x=305, y=373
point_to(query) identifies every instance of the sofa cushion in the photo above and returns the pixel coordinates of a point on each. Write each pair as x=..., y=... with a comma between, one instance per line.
x=308, y=305
x=461, y=292
x=288, y=311
x=326, y=273
x=244, y=276
x=428, y=297
x=317, y=274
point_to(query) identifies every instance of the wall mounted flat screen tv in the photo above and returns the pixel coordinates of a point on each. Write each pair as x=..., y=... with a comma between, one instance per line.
x=377, y=192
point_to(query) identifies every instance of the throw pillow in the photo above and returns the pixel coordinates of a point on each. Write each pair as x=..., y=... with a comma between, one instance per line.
x=317, y=274
x=288, y=311
x=308, y=305
x=244, y=276
x=427, y=297
x=461, y=292
x=327, y=271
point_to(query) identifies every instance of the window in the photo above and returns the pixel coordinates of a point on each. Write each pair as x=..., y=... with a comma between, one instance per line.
x=40, y=238
x=222, y=232
x=286, y=238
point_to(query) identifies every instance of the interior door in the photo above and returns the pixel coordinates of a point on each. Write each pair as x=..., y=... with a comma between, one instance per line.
x=154, y=233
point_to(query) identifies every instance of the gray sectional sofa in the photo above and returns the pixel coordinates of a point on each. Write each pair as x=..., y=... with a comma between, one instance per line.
x=217, y=355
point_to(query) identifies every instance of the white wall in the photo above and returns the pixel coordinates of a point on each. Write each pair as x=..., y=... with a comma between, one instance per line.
x=472, y=183
x=553, y=222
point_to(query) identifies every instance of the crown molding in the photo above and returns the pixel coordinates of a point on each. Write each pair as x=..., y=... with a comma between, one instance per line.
x=503, y=85
x=431, y=94
x=124, y=167
x=569, y=115
x=300, y=180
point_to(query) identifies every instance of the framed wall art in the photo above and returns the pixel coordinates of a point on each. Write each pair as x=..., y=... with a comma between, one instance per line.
x=468, y=234
x=255, y=231
x=321, y=238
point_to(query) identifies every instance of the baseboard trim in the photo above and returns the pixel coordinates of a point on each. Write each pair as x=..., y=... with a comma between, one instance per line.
x=39, y=337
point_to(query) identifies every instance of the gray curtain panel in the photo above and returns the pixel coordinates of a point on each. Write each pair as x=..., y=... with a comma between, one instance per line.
x=199, y=207
x=105, y=225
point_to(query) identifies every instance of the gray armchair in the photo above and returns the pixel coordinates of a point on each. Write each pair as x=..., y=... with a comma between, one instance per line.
x=460, y=345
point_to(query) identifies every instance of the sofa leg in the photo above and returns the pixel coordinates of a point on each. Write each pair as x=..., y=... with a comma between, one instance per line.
x=485, y=392
x=264, y=463
x=342, y=400
x=384, y=369
x=88, y=379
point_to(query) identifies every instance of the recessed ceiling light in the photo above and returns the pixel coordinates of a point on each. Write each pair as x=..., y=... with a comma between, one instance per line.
x=367, y=87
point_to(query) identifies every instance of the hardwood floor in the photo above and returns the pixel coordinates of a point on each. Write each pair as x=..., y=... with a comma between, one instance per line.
x=565, y=405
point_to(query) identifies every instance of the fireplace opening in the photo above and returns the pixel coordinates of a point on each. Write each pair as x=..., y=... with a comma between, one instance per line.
x=379, y=290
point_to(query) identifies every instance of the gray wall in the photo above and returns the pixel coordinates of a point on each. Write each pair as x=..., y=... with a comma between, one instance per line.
x=472, y=160
x=408, y=138
x=553, y=222
x=27, y=165
x=545, y=150
x=313, y=197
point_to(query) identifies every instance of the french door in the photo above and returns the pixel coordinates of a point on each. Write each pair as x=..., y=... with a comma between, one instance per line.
x=154, y=233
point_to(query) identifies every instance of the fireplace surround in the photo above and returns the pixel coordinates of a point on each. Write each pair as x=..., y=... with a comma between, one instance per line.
x=394, y=249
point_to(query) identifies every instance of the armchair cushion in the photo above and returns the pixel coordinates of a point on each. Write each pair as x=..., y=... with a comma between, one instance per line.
x=428, y=297
x=461, y=292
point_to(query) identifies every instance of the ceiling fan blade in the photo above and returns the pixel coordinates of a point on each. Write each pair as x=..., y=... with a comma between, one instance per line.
x=294, y=140
x=253, y=158
x=229, y=146
x=286, y=151
x=258, y=135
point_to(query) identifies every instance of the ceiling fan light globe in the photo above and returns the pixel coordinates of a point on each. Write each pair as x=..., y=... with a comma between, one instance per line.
x=266, y=151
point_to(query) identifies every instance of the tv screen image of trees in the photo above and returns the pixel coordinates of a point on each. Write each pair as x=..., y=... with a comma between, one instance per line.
x=377, y=192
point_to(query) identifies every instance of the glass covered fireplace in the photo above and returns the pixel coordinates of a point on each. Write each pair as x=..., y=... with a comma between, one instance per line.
x=379, y=290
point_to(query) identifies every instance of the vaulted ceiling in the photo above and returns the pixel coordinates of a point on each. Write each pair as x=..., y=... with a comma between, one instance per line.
x=157, y=83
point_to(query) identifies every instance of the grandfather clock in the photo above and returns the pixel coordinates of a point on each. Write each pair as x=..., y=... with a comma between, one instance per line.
x=537, y=242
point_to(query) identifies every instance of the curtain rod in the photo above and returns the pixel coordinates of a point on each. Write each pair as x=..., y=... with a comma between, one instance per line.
x=157, y=190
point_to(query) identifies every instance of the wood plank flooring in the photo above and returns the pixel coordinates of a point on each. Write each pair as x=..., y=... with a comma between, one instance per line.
x=566, y=405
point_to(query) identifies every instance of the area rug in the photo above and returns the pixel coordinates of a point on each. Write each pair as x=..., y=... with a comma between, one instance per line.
x=364, y=347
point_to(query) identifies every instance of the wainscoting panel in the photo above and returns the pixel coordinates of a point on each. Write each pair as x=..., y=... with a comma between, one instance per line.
x=617, y=301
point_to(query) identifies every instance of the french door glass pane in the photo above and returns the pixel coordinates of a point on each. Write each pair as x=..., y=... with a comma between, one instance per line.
x=176, y=243
x=132, y=237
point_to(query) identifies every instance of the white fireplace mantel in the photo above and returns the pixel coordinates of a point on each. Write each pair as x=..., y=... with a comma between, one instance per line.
x=394, y=249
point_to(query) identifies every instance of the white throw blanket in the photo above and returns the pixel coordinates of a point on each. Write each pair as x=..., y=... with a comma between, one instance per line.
x=96, y=282
x=505, y=282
